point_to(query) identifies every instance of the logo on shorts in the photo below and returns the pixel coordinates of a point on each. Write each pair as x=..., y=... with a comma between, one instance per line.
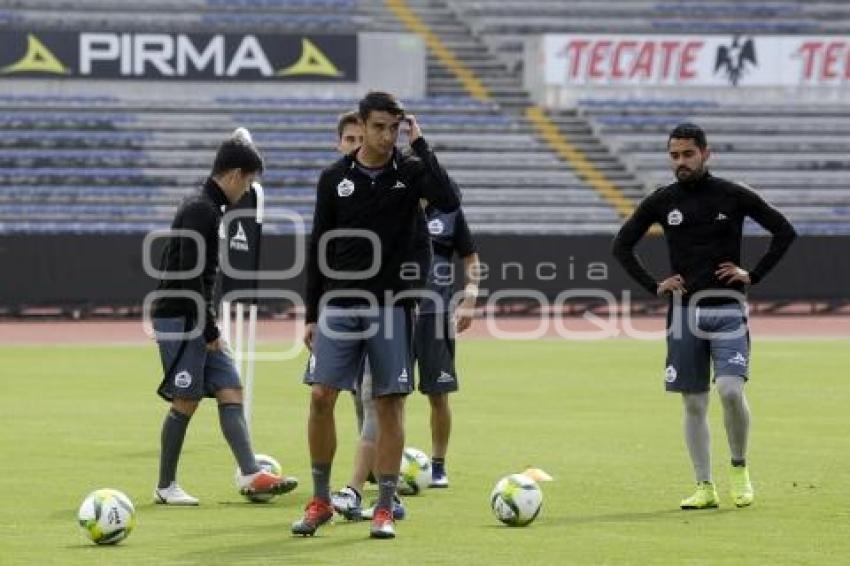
x=436, y=227
x=345, y=188
x=670, y=374
x=738, y=359
x=183, y=379
x=445, y=377
x=720, y=217
x=403, y=377
x=399, y=185
x=675, y=217
x=312, y=363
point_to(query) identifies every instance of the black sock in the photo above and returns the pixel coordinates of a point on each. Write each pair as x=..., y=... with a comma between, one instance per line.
x=322, y=481
x=232, y=420
x=386, y=489
x=739, y=463
x=438, y=466
x=171, y=443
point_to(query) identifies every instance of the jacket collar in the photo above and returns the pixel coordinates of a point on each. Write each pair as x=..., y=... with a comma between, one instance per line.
x=214, y=192
x=351, y=159
x=704, y=178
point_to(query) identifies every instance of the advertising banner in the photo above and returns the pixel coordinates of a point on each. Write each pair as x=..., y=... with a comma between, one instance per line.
x=736, y=62
x=178, y=56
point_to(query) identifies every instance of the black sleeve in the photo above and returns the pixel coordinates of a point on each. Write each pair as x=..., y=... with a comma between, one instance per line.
x=201, y=219
x=774, y=222
x=436, y=185
x=323, y=219
x=464, y=245
x=629, y=235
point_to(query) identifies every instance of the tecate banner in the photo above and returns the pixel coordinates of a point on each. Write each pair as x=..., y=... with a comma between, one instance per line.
x=178, y=56
x=695, y=60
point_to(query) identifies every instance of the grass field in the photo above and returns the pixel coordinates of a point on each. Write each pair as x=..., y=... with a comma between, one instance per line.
x=591, y=414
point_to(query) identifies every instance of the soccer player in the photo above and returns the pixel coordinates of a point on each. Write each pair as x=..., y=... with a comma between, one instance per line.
x=348, y=501
x=375, y=191
x=434, y=349
x=202, y=366
x=434, y=343
x=702, y=217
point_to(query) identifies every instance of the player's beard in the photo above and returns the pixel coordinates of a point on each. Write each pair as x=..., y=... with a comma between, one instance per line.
x=686, y=174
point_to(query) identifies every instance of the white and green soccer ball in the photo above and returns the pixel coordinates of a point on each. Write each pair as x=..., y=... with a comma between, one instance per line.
x=516, y=500
x=268, y=464
x=107, y=516
x=415, y=472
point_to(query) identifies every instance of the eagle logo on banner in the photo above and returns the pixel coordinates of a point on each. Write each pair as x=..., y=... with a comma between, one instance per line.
x=733, y=59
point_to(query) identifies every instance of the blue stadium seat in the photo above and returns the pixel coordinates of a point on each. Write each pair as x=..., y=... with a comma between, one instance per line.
x=287, y=20
x=57, y=99
x=81, y=154
x=729, y=9
x=337, y=104
x=66, y=117
x=734, y=26
x=330, y=120
x=297, y=4
x=627, y=103
x=641, y=120
x=82, y=135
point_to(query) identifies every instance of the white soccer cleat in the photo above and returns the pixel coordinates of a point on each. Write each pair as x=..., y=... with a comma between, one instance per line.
x=173, y=495
x=347, y=502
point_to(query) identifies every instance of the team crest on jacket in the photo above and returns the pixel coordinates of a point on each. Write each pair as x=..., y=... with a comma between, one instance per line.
x=675, y=217
x=345, y=188
x=436, y=227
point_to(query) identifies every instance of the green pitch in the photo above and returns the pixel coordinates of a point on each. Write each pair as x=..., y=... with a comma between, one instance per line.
x=591, y=414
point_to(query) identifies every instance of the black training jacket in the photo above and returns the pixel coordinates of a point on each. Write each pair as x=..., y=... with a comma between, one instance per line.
x=387, y=207
x=703, y=224
x=200, y=212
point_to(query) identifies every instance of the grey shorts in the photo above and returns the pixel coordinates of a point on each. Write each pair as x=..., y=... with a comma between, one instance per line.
x=338, y=361
x=359, y=375
x=700, y=337
x=189, y=370
x=434, y=347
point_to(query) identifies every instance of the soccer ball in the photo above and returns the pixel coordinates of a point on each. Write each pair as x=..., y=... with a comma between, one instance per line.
x=107, y=516
x=516, y=500
x=268, y=464
x=415, y=472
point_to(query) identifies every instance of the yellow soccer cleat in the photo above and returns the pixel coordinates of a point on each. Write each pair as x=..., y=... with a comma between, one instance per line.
x=705, y=497
x=742, y=490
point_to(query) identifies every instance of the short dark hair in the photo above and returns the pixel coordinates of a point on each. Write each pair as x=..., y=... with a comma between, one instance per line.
x=689, y=131
x=377, y=101
x=237, y=153
x=345, y=119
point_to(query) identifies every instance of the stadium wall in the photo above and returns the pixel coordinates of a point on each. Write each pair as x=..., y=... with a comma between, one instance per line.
x=99, y=270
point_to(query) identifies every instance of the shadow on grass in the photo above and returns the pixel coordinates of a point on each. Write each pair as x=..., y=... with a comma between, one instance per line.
x=282, y=549
x=92, y=547
x=637, y=517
